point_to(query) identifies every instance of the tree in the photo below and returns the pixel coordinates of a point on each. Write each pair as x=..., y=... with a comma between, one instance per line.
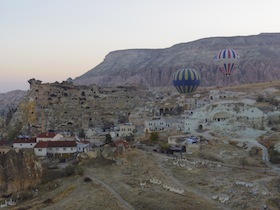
x=154, y=137
x=82, y=134
x=108, y=138
x=164, y=146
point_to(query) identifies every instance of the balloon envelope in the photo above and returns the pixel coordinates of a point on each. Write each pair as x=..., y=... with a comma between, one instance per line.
x=227, y=60
x=186, y=80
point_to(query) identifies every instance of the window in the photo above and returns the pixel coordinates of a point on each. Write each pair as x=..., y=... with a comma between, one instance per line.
x=64, y=148
x=39, y=150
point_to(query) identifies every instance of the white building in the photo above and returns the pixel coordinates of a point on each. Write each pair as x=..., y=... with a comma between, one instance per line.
x=82, y=146
x=194, y=120
x=224, y=114
x=156, y=125
x=221, y=94
x=24, y=143
x=44, y=148
x=126, y=129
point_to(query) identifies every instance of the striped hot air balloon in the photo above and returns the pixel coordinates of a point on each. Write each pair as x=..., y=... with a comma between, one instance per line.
x=227, y=60
x=186, y=80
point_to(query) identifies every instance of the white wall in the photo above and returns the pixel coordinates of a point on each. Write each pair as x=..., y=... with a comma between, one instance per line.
x=126, y=130
x=41, y=152
x=24, y=145
x=158, y=125
x=62, y=150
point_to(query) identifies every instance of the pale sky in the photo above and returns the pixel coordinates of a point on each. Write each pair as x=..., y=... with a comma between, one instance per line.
x=52, y=40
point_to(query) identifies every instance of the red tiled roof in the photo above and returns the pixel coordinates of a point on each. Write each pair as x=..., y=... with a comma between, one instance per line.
x=62, y=144
x=22, y=141
x=49, y=144
x=41, y=144
x=47, y=135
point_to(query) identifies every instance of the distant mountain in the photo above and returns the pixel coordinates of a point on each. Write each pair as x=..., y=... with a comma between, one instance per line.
x=259, y=62
x=10, y=100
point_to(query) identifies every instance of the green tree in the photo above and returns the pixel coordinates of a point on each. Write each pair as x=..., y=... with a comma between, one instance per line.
x=82, y=134
x=108, y=138
x=154, y=137
x=164, y=146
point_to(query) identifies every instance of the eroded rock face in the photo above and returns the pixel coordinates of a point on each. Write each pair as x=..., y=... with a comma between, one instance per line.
x=18, y=171
x=64, y=106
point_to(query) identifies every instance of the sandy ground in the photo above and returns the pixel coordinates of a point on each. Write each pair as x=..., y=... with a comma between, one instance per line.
x=210, y=178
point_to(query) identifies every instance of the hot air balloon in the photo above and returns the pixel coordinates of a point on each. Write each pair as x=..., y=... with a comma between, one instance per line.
x=227, y=60
x=186, y=80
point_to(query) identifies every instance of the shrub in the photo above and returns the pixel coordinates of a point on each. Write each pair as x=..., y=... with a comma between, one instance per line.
x=79, y=170
x=274, y=156
x=260, y=98
x=69, y=170
x=87, y=179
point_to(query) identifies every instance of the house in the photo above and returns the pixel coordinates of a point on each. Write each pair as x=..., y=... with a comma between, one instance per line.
x=193, y=120
x=156, y=125
x=82, y=146
x=49, y=136
x=41, y=148
x=45, y=148
x=225, y=115
x=215, y=95
x=24, y=143
x=126, y=129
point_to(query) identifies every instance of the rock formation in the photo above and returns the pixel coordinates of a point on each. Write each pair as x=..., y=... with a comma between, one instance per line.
x=18, y=171
x=260, y=61
x=67, y=107
x=8, y=104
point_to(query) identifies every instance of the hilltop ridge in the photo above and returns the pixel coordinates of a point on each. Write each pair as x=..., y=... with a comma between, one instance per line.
x=259, y=62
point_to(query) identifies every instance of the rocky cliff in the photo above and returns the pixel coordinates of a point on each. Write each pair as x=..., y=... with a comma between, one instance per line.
x=67, y=107
x=260, y=61
x=18, y=171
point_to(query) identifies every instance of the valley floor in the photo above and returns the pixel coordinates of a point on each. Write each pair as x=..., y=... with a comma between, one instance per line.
x=202, y=179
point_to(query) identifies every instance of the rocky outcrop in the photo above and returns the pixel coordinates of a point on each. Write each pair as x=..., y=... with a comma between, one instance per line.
x=65, y=106
x=18, y=171
x=260, y=61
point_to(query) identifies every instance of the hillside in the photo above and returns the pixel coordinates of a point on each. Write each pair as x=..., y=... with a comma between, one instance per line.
x=259, y=62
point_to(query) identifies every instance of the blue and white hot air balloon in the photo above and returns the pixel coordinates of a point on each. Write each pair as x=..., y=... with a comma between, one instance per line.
x=186, y=80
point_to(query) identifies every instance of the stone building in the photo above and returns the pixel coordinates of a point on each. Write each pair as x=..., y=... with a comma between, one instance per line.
x=227, y=114
x=156, y=124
